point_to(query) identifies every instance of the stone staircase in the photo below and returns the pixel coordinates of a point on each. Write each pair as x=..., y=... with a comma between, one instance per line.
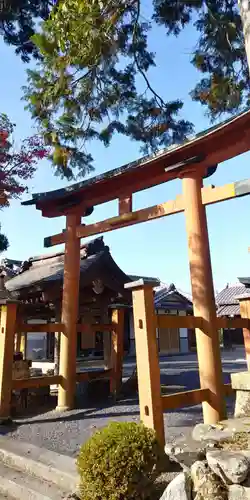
x=31, y=473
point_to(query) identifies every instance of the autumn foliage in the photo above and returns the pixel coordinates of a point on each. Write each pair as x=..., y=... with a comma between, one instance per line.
x=17, y=165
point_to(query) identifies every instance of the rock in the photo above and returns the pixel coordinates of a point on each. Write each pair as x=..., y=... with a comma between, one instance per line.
x=212, y=433
x=241, y=381
x=199, y=471
x=242, y=404
x=179, y=489
x=238, y=492
x=206, y=484
x=185, y=451
x=231, y=466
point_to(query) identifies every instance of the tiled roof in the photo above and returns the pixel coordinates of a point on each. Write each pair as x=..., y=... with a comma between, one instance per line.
x=169, y=296
x=135, y=277
x=227, y=304
x=95, y=258
x=231, y=310
x=227, y=295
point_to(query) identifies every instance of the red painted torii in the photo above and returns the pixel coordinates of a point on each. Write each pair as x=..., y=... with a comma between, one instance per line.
x=197, y=158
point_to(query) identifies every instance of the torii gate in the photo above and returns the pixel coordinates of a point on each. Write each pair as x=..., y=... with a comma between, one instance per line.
x=192, y=161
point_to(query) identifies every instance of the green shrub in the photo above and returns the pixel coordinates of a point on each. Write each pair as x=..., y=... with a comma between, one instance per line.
x=119, y=462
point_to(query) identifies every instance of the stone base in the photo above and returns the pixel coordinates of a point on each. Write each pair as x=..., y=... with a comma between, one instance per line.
x=241, y=383
x=63, y=408
x=242, y=404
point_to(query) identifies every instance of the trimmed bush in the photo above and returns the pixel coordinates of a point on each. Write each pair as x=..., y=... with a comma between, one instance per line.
x=119, y=462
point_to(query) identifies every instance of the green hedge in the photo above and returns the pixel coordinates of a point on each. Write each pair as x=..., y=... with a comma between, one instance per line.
x=119, y=462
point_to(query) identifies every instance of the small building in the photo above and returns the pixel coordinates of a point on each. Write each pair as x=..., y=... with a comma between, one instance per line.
x=38, y=284
x=229, y=307
x=169, y=300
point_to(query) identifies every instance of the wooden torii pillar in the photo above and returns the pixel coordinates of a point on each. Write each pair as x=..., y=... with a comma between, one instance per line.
x=117, y=351
x=70, y=304
x=208, y=347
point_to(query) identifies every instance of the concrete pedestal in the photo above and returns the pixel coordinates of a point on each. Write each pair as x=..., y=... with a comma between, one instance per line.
x=241, y=383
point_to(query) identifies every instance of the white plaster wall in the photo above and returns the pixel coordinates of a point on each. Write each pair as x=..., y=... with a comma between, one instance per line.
x=36, y=342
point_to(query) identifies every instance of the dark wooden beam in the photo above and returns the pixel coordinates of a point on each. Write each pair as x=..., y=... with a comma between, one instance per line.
x=203, y=152
x=26, y=383
x=38, y=328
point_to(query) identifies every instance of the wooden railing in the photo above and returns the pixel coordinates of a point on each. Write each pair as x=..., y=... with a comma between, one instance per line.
x=169, y=402
x=172, y=401
x=183, y=399
x=39, y=328
x=196, y=396
x=26, y=383
x=171, y=321
x=12, y=324
x=93, y=375
x=190, y=398
x=103, y=327
x=43, y=381
x=59, y=327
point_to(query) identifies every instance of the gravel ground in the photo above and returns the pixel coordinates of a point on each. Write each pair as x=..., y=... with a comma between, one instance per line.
x=65, y=432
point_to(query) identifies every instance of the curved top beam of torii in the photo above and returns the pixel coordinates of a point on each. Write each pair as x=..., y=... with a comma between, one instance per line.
x=206, y=149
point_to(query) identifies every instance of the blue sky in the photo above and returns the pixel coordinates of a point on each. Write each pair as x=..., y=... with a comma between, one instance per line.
x=157, y=248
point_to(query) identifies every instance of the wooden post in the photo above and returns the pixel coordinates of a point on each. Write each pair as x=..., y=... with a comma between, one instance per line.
x=18, y=342
x=106, y=350
x=245, y=313
x=147, y=360
x=23, y=344
x=106, y=337
x=125, y=205
x=208, y=346
x=7, y=333
x=70, y=306
x=57, y=342
x=117, y=339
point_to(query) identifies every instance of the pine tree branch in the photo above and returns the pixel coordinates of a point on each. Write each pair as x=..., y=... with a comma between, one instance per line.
x=141, y=71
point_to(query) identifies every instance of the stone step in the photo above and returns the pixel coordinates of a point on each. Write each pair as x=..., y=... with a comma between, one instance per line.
x=16, y=485
x=48, y=466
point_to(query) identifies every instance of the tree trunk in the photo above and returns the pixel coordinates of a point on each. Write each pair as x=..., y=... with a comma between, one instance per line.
x=244, y=6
